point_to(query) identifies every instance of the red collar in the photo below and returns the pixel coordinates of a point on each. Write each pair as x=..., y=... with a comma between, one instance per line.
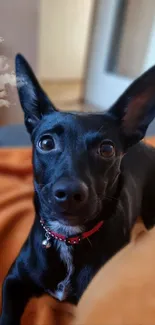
x=68, y=240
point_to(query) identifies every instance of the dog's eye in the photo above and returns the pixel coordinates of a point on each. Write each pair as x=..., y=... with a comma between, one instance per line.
x=46, y=143
x=106, y=150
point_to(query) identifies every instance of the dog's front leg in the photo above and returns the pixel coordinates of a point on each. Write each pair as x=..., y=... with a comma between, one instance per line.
x=18, y=287
x=15, y=296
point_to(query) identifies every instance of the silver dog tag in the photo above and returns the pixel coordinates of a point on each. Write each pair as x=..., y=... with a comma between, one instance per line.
x=46, y=242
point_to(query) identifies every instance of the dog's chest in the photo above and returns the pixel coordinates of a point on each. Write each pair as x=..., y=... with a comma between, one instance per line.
x=64, y=287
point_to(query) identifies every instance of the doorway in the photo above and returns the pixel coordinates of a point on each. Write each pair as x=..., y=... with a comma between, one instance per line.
x=122, y=48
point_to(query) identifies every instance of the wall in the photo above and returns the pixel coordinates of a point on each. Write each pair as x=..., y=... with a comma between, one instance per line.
x=64, y=31
x=19, y=30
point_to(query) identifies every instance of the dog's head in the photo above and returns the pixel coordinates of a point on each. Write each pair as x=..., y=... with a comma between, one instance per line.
x=77, y=156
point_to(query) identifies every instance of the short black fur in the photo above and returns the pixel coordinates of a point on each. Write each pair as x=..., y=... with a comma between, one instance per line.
x=87, y=167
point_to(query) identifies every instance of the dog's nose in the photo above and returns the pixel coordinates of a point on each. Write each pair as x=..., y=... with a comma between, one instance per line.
x=70, y=193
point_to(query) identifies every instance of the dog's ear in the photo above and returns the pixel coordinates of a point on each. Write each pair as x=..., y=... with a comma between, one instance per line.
x=33, y=99
x=135, y=109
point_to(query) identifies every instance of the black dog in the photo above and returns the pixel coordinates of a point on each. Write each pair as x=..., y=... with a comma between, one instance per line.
x=92, y=179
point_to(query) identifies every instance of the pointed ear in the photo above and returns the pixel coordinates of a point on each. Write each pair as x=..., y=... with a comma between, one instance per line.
x=33, y=99
x=135, y=109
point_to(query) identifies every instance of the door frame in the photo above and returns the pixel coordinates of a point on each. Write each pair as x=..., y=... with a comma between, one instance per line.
x=102, y=88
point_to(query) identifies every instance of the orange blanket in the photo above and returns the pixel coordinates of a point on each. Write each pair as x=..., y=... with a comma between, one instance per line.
x=16, y=217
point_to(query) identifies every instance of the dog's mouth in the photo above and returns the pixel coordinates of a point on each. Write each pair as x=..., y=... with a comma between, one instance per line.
x=75, y=219
x=69, y=224
x=68, y=219
x=71, y=219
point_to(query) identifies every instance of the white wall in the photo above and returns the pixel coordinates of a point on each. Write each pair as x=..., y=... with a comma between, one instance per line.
x=64, y=31
x=19, y=30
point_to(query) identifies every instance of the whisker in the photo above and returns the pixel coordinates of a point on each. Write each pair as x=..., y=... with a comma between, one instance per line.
x=100, y=128
x=89, y=242
x=110, y=198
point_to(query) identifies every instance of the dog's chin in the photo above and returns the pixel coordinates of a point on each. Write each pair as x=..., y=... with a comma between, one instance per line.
x=69, y=224
x=68, y=220
x=65, y=228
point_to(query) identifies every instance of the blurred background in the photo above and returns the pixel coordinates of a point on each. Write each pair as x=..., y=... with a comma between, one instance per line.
x=84, y=52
